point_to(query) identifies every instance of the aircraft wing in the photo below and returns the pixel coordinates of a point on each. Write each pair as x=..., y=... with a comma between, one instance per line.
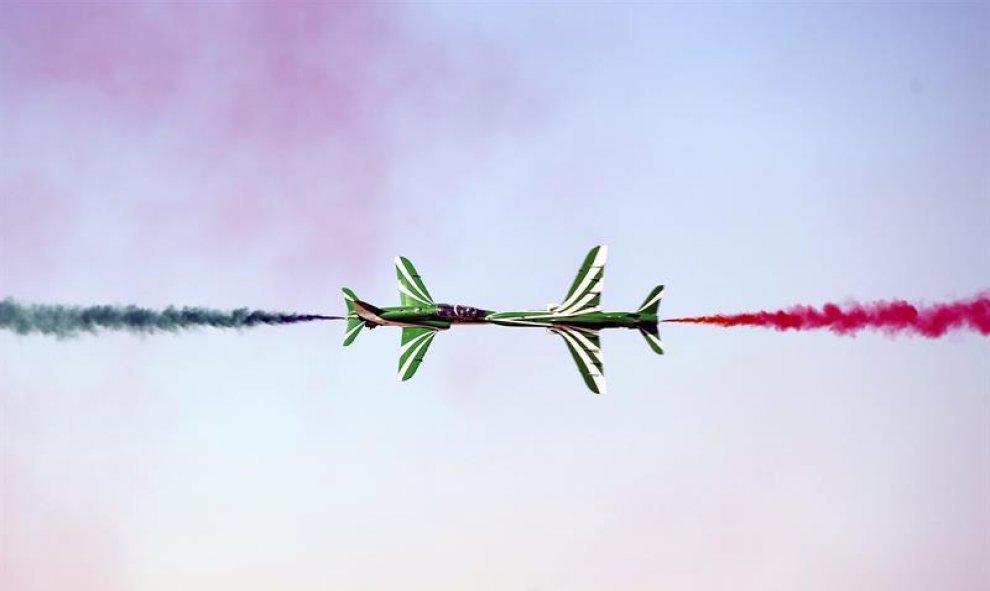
x=585, y=347
x=412, y=291
x=415, y=341
x=585, y=293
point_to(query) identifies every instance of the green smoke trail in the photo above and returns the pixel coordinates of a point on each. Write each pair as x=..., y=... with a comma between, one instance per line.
x=67, y=321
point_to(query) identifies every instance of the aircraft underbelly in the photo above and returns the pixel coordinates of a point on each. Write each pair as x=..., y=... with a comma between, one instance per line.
x=397, y=323
x=591, y=322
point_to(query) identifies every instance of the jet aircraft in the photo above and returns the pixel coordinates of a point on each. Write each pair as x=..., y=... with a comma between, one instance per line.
x=577, y=319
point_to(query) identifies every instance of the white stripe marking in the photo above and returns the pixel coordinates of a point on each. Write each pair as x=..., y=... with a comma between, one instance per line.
x=585, y=341
x=579, y=307
x=596, y=375
x=412, y=284
x=656, y=340
x=590, y=359
x=590, y=276
x=600, y=258
x=412, y=342
x=402, y=289
x=412, y=356
x=593, y=271
x=521, y=322
x=591, y=331
x=356, y=328
x=654, y=299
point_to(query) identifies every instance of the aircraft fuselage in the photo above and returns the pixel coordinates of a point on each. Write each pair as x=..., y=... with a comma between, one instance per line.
x=443, y=316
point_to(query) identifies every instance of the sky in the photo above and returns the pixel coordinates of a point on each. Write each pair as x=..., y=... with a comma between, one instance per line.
x=265, y=155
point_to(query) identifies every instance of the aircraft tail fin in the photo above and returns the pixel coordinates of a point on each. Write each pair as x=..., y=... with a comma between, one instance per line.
x=354, y=322
x=648, y=327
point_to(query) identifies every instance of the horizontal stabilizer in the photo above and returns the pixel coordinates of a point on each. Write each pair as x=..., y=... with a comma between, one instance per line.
x=652, y=337
x=652, y=302
x=354, y=323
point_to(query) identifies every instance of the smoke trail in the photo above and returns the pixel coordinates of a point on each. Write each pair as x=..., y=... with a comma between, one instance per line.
x=893, y=317
x=67, y=321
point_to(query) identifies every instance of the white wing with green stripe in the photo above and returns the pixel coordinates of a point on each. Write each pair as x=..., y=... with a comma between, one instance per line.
x=415, y=342
x=586, y=350
x=586, y=291
x=412, y=292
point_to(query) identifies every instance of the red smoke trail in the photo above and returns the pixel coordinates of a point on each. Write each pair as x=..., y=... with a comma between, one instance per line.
x=894, y=317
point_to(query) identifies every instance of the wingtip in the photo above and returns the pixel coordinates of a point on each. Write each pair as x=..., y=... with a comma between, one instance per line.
x=601, y=256
x=601, y=386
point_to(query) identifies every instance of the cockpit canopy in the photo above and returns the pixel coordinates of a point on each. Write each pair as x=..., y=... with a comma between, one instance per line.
x=453, y=312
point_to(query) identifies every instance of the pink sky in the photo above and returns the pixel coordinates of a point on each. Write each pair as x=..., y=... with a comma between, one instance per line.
x=264, y=121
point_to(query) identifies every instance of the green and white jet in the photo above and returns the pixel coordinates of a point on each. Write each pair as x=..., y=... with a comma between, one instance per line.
x=578, y=319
